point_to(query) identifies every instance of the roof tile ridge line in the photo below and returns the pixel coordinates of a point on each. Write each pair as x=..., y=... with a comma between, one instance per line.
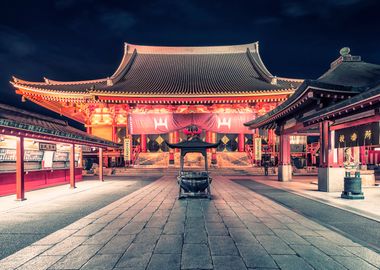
x=126, y=68
x=33, y=114
x=334, y=65
x=290, y=79
x=149, y=49
x=258, y=69
x=49, y=91
x=261, y=61
x=301, y=90
x=123, y=61
x=54, y=82
x=16, y=80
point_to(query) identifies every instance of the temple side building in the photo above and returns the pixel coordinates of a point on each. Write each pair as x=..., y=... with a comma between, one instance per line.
x=156, y=92
x=342, y=108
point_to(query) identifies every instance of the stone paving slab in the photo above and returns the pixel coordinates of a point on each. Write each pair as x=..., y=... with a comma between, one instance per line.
x=151, y=229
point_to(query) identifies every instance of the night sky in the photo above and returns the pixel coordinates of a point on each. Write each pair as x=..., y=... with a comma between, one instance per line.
x=78, y=40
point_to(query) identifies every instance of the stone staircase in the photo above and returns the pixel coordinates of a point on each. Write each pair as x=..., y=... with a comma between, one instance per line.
x=233, y=160
x=153, y=160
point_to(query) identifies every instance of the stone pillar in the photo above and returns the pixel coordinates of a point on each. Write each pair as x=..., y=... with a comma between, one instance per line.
x=20, y=174
x=72, y=166
x=330, y=171
x=143, y=143
x=241, y=142
x=285, y=166
x=101, y=164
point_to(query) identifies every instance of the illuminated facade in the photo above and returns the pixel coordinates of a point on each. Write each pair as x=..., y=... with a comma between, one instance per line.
x=156, y=92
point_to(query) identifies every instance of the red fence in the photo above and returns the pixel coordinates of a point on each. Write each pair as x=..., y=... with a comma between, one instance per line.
x=37, y=179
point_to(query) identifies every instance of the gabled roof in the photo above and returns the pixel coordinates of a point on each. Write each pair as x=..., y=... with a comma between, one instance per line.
x=33, y=123
x=350, y=71
x=347, y=75
x=178, y=71
x=370, y=96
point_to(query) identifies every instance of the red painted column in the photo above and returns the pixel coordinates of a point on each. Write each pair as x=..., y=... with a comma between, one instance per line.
x=172, y=139
x=20, y=174
x=143, y=143
x=326, y=158
x=363, y=155
x=213, y=150
x=285, y=171
x=330, y=172
x=284, y=150
x=72, y=166
x=241, y=142
x=114, y=133
x=101, y=164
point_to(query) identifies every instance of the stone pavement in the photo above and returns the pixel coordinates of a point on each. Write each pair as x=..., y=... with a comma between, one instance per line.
x=307, y=186
x=151, y=229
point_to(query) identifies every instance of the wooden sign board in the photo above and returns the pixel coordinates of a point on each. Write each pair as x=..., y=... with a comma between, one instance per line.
x=362, y=135
x=257, y=149
x=47, y=146
x=127, y=148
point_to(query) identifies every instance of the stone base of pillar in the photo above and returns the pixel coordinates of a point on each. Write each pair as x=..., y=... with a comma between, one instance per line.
x=331, y=179
x=285, y=173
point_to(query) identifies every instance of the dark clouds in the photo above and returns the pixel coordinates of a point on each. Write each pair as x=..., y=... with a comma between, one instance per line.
x=74, y=40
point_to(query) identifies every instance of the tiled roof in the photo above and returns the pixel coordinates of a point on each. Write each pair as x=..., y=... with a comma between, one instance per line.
x=155, y=71
x=347, y=74
x=15, y=118
x=354, y=101
x=351, y=71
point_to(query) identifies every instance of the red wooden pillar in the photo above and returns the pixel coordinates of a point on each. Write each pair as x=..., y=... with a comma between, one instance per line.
x=326, y=158
x=363, y=155
x=72, y=166
x=114, y=133
x=143, y=143
x=340, y=157
x=176, y=139
x=88, y=130
x=284, y=150
x=285, y=167
x=101, y=164
x=331, y=171
x=20, y=174
x=172, y=139
x=241, y=142
x=212, y=139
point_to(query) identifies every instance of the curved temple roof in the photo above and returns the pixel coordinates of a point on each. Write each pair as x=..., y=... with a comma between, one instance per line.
x=21, y=120
x=178, y=71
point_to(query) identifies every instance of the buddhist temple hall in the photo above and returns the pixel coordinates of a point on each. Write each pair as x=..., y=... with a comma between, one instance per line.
x=158, y=92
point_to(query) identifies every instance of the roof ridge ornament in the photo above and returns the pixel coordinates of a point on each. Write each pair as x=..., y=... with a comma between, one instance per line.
x=109, y=81
x=345, y=56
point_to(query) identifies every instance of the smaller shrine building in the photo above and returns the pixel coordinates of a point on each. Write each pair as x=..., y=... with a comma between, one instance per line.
x=343, y=108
